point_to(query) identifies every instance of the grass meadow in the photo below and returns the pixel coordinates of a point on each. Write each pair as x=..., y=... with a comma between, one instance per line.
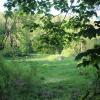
x=45, y=77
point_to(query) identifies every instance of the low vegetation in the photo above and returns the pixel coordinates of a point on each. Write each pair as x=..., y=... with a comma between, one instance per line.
x=40, y=78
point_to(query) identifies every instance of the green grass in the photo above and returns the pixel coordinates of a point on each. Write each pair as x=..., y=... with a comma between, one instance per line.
x=50, y=79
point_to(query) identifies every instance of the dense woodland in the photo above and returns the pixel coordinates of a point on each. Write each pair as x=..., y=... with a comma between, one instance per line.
x=44, y=56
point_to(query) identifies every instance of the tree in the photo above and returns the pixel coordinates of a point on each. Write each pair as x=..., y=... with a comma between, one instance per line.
x=2, y=30
x=54, y=35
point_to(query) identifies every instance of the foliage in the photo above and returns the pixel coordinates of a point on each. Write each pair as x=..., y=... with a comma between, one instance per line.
x=55, y=36
x=83, y=11
x=91, y=56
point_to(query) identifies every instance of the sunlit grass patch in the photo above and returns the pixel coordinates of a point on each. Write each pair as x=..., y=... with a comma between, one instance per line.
x=67, y=52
